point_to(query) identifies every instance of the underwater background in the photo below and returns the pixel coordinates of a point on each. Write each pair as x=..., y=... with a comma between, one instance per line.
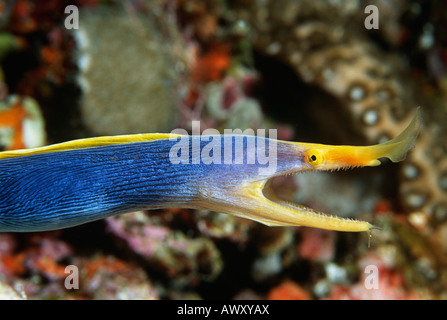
x=332, y=72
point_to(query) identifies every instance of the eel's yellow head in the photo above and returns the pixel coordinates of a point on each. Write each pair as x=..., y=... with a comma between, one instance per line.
x=249, y=194
x=328, y=157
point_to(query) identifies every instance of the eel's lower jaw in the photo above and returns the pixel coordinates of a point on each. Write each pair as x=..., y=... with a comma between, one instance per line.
x=257, y=201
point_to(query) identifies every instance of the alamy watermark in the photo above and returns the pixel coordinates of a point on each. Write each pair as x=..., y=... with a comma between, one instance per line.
x=371, y=280
x=71, y=21
x=72, y=279
x=231, y=148
x=372, y=20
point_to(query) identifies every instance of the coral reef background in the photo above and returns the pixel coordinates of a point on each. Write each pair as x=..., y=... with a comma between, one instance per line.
x=308, y=68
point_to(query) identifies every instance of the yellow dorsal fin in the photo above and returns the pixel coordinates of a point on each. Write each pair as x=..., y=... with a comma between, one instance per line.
x=88, y=143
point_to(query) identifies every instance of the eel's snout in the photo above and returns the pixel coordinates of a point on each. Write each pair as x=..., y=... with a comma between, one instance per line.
x=330, y=157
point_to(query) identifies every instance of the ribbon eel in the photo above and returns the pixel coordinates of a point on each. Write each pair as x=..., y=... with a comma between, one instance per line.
x=71, y=183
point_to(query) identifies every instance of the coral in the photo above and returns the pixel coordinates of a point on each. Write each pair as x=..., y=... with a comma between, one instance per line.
x=211, y=65
x=8, y=293
x=222, y=226
x=21, y=123
x=42, y=257
x=228, y=102
x=199, y=17
x=110, y=278
x=128, y=79
x=22, y=20
x=390, y=284
x=288, y=290
x=317, y=245
x=46, y=258
x=272, y=245
x=183, y=259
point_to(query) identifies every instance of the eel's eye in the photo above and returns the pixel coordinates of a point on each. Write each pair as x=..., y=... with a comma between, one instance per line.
x=314, y=157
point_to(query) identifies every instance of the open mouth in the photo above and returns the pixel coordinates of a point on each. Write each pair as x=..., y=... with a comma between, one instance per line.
x=257, y=200
x=294, y=214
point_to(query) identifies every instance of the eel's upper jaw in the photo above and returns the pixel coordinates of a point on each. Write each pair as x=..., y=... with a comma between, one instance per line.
x=338, y=157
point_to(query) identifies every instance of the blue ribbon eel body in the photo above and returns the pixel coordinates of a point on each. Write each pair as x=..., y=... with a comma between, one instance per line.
x=72, y=183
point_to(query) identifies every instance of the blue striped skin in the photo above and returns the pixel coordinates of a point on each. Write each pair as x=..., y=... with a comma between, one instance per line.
x=61, y=189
